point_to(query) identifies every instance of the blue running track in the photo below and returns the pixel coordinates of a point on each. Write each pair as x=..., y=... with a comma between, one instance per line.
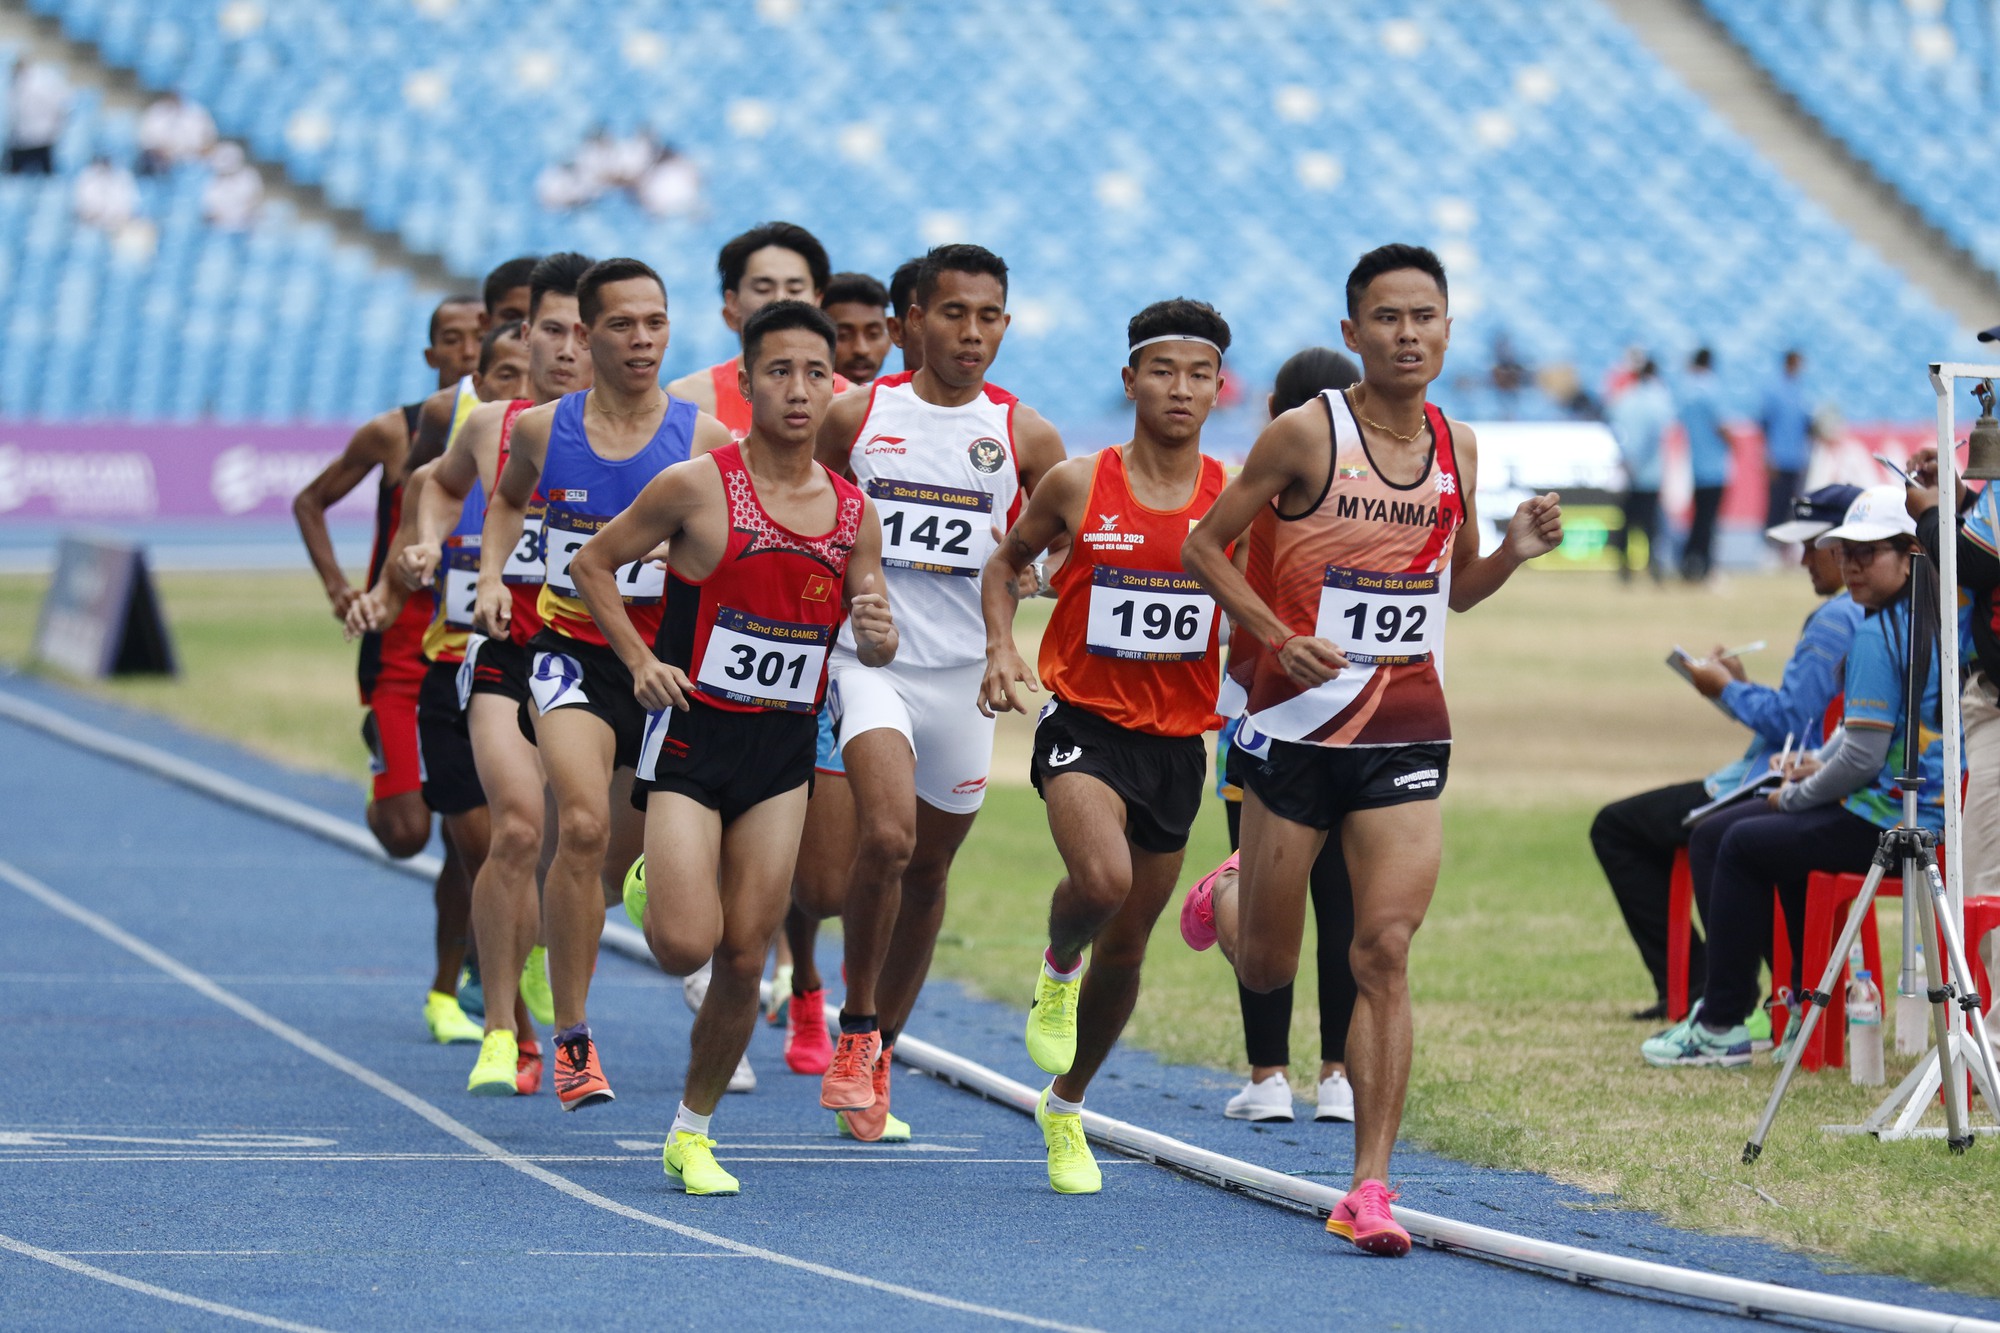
x=279, y=1140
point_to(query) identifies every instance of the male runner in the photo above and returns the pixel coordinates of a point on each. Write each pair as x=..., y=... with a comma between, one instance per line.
x=591, y=453
x=1362, y=532
x=766, y=548
x=859, y=307
x=947, y=458
x=392, y=664
x=902, y=285
x=774, y=261
x=1132, y=657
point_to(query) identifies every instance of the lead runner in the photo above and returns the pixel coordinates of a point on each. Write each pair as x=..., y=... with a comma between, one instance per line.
x=1362, y=532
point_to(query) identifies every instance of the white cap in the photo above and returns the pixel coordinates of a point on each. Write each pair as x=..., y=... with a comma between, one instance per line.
x=1877, y=513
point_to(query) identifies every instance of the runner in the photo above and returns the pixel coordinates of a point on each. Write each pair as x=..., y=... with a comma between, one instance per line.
x=591, y=453
x=859, y=307
x=775, y=261
x=902, y=283
x=1362, y=532
x=752, y=606
x=1132, y=660
x=391, y=663
x=947, y=458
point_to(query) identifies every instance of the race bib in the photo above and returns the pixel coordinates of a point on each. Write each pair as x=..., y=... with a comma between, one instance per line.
x=528, y=561
x=768, y=663
x=1148, y=615
x=639, y=582
x=1380, y=619
x=458, y=591
x=933, y=529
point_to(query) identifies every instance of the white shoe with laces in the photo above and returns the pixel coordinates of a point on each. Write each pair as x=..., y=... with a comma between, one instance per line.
x=1269, y=1100
x=745, y=1078
x=1336, y=1098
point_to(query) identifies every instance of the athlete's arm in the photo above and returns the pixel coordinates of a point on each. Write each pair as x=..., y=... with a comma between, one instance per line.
x=698, y=388
x=654, y=519
x=1050, y=514
x=377, y=608
x=875, y=637
x=1038, y=447
x=709, y=435
x=441, y=503
x=1279, y=461
x=506, y=514
x=1536, y=529
x=433, y=428
x=839, y=430
x=381, y=442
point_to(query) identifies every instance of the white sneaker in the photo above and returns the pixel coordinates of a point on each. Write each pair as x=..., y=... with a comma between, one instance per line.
x=745, y=1078
x=694, y=986
x=1269, y=1100
x=1336, y=1098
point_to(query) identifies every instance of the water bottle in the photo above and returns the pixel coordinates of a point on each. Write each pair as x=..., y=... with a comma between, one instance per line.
x=1864, y=1031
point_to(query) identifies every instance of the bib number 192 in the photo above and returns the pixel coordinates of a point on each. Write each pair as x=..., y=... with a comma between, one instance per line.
x=1380, y=619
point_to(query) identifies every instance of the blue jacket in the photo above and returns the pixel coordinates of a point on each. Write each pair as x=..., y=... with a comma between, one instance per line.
x=1787, y=424
x=1798, y=704
x=1701, y=416
x=1639, y=417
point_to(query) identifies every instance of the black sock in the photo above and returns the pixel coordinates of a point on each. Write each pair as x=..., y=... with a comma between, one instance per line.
x=889, y=1037
x=850, y=1024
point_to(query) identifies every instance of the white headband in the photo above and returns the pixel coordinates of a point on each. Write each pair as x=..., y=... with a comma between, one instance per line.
x=1174, y=338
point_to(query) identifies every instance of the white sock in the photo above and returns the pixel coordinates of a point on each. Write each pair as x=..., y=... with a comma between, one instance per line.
x=1049, y=969
x=1279, y=1075
x=1057, y=1106
x=685, y=1119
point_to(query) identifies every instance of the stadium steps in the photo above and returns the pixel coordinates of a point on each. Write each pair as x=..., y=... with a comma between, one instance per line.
x=42, y=38
x=1690, y=42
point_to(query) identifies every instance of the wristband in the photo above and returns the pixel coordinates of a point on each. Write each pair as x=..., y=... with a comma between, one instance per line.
x=1278, y=648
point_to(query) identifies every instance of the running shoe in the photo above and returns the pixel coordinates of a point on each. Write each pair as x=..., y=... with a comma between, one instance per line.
x=494, y=1075
x=1689, y=1042
x=471, y=992
x=1052, y=1022
x=1783, y=1050
x=744, y=1078
x=1363, y=1216
x=690, y=1159
x=808, y=1047
x=1759, y=1027
x=781, y=995
x=535, y=987
x=873, y=1124
x=694, y=986
x=1269, y=1100
x=1072, y=1169
x=635, y=893
x=849, y=1082
x=448, y=1023
x=1198, y=911
x=580, y=1080
x=528, y=1070
x=1336, y=1098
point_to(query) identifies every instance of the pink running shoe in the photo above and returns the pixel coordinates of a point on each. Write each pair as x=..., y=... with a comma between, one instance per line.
x=1198, y=911
x=1364, y=1218
x=808, y=1046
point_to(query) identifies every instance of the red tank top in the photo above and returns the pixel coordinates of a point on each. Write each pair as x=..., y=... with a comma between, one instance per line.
x=405, y=635
x=753, y=636
x=528, y=561
x=1134, y=638
x=732, y=409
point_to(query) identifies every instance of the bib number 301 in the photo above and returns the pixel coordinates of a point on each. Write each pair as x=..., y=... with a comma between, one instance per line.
x=1379, y=619
x=770, y=663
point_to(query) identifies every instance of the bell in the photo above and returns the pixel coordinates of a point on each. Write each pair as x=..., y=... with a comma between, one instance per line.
x=1982, y=453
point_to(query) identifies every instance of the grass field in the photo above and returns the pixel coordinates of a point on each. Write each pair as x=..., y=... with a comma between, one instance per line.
x=1523, y=974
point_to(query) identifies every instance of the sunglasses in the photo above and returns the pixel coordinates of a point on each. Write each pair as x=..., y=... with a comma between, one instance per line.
x=1862, y=554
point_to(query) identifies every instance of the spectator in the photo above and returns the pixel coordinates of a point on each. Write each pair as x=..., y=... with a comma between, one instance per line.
x=1787, y=425
x=107, y=197
x=1635, y=839
x=597, y=162
x=627, y=160
x=560, y=187
x=234, y=193
x=173, y=131
x=38, y=103
x=1830, y=814
x=671, y=187
x=1708, y=456
x=1639, y=419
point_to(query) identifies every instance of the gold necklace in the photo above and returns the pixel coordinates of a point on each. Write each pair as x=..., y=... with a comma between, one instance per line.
x=1411, y=438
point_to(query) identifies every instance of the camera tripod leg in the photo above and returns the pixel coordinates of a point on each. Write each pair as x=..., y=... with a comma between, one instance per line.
x=1980, y=1058
x=1957, y=1136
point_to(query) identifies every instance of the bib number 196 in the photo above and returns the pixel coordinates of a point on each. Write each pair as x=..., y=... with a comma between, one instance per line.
x=1148, y=615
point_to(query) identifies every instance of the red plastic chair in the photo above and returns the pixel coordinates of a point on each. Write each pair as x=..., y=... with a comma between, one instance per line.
x=1680, y=937
x=1982, y=916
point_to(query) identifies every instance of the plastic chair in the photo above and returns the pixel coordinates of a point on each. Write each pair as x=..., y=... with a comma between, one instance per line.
x=1680, y=935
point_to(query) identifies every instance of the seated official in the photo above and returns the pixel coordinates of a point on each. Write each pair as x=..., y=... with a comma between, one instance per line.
x=1635, y=839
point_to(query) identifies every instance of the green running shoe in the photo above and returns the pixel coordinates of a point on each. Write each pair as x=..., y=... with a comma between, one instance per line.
x=535, y=987
x=690, y=1159
x=448, y=1024
x=893, y=1130
x=1072, y=1170
x=1759, y=1027
x=1052, y=1022
x=635, y=893
x=499, y=1062
x=1688, y=1042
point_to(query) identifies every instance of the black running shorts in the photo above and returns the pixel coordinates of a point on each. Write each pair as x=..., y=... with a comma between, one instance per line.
x=500, y=666
x=727, y=761
x=451, y=780
x=568, y=673
x=1160, y=778
x=1319, y=785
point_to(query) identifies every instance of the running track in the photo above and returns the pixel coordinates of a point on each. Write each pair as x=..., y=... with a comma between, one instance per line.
x=224, y=1094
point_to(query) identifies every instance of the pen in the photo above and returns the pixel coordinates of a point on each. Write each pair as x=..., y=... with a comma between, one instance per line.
x=1755, y=646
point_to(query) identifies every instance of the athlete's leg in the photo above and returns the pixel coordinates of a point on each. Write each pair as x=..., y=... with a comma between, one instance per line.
x=882, y=775
x=683, y=920
x=919, y=915
x=402, y=824
x=627, y=840
x=1111, y=985
x=1392, y=861
x=1087, y=820
x=506, y=913
x=451, y=896
x=819, y=884
x=578, y=749
x=1271, y=889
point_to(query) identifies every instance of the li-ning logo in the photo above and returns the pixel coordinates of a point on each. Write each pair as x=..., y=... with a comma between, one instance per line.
x=885, y=444
x=1420, y=779
x=969, y=786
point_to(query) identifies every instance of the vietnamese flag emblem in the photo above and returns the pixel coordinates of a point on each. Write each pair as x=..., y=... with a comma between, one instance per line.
x=818, y=588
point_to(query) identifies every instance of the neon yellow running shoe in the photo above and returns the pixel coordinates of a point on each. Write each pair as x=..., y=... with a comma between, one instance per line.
x=1072, y=1169
x=893, y=1130
x=690, y=1159
x=635, y=893
x=448, y=1023
x=1052, y=1022
x=499, y=1063
x=535, y=987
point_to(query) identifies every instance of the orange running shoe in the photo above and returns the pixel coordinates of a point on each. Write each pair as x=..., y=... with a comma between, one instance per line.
x=528, y=1070
x=849, y=1084
x=868, y=1124
x=579, y=1080
x=808, y=1046
x=1364, y=1218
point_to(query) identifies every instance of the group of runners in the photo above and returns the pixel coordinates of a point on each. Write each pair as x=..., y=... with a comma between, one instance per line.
x=731, y=651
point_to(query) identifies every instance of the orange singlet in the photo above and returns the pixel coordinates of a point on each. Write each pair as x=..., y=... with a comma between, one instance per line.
x=732, y=409
x=1133, y=637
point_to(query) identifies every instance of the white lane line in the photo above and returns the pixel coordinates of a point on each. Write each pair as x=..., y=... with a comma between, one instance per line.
x=653, y=1145
x=225, y=1253
x=465, y=1134
x=634, y=1254
x=77, y=1266
x=831, y=1158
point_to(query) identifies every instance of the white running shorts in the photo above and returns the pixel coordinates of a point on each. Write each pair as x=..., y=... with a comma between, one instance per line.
x=937, y=711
